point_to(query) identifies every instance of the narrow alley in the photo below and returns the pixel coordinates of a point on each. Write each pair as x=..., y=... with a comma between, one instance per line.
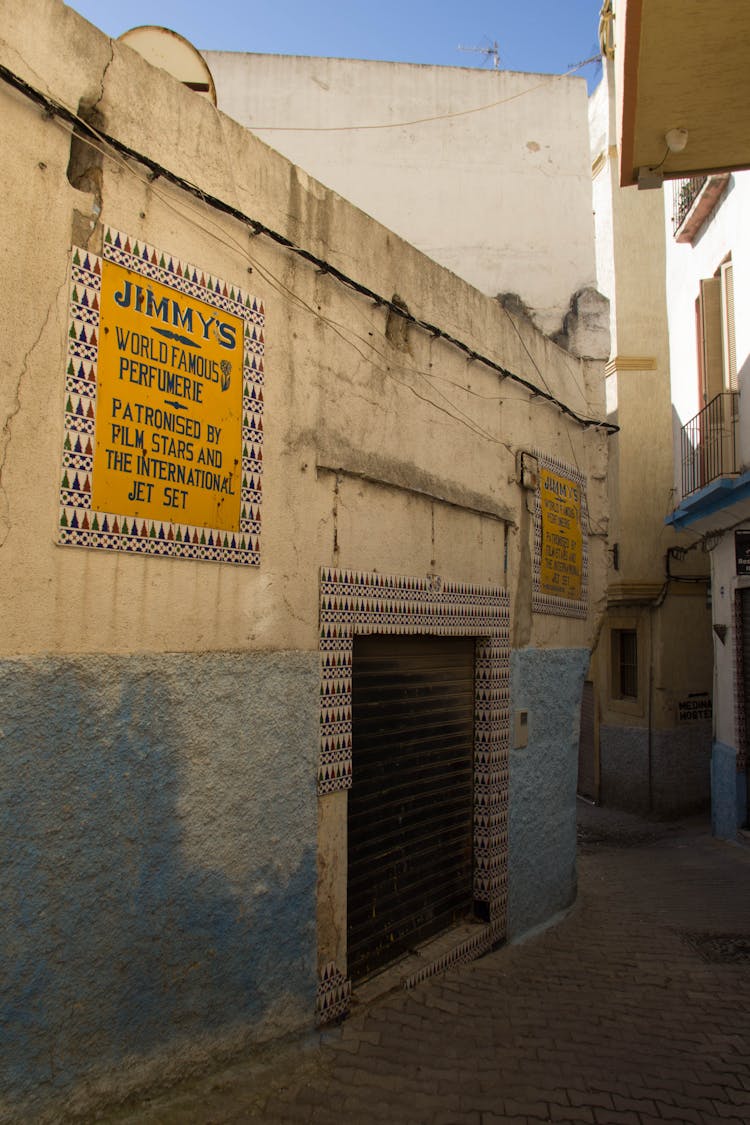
x=635, y=1008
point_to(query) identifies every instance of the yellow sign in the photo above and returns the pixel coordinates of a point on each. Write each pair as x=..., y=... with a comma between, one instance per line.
x=561, y=571
x=168, y=442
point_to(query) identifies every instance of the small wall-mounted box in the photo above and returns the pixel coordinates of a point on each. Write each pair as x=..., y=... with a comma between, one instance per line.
x=520, y=729
x=527, y=470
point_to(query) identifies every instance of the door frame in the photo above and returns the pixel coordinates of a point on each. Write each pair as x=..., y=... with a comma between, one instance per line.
x=367, y=602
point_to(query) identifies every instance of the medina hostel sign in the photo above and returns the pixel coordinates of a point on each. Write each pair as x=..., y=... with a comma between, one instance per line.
x=163, y=449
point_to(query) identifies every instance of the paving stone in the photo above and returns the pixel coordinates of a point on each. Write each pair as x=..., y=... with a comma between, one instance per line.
x=731, y=1109
x=616, y=1117
x=495, y=1119
x=724, y=1121
x=591, y=1098
x=635, y=1105
x=567, y=1113
x=526, y=1109
x=610, y=1017
x=683, y=1114
x=738, y=1097
x=441, y=1117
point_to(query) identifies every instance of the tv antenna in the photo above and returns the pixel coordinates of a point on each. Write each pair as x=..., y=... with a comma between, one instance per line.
x=491, y=53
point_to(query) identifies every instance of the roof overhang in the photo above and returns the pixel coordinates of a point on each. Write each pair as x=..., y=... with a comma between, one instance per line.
x=683, y=64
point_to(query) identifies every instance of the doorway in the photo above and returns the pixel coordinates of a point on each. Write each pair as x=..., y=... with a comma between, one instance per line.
x=410, y=809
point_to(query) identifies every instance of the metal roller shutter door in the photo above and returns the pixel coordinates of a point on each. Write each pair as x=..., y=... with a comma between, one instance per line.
x=410, y=809
x=745, y=602
x=745, y=596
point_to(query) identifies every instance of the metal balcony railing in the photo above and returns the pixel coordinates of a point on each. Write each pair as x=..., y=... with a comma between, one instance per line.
x=684, y=193
x=709, y=447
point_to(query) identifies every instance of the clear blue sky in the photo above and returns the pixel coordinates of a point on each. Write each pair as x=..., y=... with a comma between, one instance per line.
x=547, y=36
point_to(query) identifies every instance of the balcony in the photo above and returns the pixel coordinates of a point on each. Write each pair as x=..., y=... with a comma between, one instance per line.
x=684, y=194
x=693, y=200
x=709, y=446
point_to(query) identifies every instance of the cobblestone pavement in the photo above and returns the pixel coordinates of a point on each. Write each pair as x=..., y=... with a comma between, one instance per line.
x=634, y=1009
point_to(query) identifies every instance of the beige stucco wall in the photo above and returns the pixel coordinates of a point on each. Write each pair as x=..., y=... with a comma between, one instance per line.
x=500, y=196
x=384, y=450
x=339, y=395
x=631, y=265
x=647, y=759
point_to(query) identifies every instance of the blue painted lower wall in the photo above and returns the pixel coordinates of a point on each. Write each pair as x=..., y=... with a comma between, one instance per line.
x=158, y=883
x=542, y=814
x=728, y=793
x=668, y=773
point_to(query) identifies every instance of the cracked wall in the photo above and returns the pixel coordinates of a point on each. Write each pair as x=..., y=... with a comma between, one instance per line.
x=515, y=214
x=159, y=716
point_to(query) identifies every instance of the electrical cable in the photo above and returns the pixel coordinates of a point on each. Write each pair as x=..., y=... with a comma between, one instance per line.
x=657, y=167
x=570, y=439
x=420, y=120
x=343, y=331
x=53, y=108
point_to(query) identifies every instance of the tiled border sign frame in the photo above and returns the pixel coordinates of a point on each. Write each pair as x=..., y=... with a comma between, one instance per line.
x=356, y=602
x=548, y=603
x=79, y=524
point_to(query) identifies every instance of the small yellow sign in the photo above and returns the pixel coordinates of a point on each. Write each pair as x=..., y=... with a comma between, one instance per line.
x=561, y=571
x=168, y=441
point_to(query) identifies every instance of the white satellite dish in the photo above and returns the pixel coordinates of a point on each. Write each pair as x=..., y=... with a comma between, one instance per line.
x=173, y=53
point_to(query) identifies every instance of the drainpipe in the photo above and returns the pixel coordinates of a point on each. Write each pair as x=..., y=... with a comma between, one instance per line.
x=652, y=616
x=657, y=603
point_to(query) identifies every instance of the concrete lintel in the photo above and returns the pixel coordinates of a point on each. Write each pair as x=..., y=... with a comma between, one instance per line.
x=472, y=503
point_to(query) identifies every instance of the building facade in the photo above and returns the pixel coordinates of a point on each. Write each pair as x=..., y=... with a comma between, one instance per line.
x=649, y=747
x=484, y=171
x=708, y=239
x=265, y=469
x=682, y=117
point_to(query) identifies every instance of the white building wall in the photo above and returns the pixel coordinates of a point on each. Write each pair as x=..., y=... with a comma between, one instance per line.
x=726, y=230
x=500, y=196
x=601, y=133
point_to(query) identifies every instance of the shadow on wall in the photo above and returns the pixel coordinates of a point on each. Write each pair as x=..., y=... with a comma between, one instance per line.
x=158, y=880
x=742, y=433
x=547, y=683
